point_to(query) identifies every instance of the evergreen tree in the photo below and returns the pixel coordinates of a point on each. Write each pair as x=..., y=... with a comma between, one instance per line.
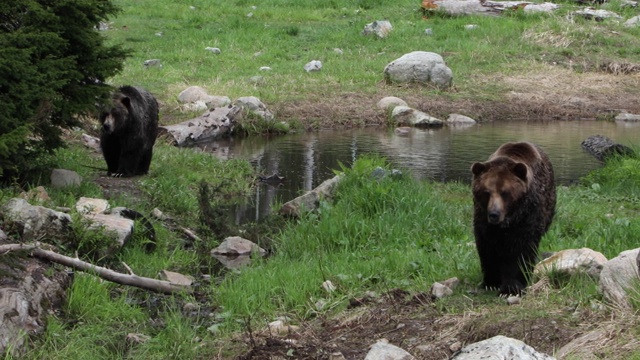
x=53, y=64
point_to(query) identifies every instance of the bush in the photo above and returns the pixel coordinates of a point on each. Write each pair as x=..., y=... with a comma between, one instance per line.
x=53, y=64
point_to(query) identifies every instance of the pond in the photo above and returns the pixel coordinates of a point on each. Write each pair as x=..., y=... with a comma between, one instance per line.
x=445, y=154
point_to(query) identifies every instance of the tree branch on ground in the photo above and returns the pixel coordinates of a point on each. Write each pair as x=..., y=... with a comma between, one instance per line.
x=34, y=250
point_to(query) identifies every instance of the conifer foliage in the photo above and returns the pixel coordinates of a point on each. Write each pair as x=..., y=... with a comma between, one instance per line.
x=53, y=65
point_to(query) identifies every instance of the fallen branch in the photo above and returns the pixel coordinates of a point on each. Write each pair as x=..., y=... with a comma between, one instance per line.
x=160, y=286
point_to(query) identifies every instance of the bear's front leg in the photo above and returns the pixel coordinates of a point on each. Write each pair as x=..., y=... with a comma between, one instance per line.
x=129, y=164
x=513, y=278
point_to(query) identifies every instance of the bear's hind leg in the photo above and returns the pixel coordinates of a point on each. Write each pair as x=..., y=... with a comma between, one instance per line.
x=129, y=164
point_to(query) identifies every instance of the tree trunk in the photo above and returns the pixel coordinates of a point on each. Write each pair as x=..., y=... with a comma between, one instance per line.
x=212, y=124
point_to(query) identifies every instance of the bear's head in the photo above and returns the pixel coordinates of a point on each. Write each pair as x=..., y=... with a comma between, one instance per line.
x=116, y=116
x=498, y=186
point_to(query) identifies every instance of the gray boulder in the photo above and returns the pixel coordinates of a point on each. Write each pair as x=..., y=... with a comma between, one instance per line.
x=35, y=221
x=500, y=348
x=618, y=276
x=251, y=104
x=419, y=67
x=405, y=115
x=62, y=178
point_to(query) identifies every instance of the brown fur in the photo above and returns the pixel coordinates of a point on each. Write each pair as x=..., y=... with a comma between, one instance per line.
x=514, y=199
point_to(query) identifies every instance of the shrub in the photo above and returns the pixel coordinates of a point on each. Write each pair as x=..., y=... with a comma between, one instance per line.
x=53, y=64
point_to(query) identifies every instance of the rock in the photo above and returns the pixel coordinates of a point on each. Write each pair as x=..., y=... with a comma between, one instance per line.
x=62, y=178
x=3, y=236
x=451, y=283
x=408, y=116
x=252, y=104
x=136, y=339
x=460, y=120
x=390, y=102
x=500, y=347
x=632, y=22
x=382, y=350
x=381, y=28
x=214, y=50
x=338, y=51
x=572, y=261
x=265, y=68
x=313, y=65
x=175, y=278
x=87, y=205
x=619, y=275
x=279, y=327
x=544, y=7
x=602, y=147
x=625, y=116
x=214, y=101
x=35, y=221
x=91, y=142
x=38, y=194
x=595, y=14
x=195, y=106
x=311, y=200
x=513, y=300
x=336, y=356
x=235, y=245
x=152, y=63
x=419, y=67
x=470, y=27
x=193, y=94
x=120, y=229
x=438, y=290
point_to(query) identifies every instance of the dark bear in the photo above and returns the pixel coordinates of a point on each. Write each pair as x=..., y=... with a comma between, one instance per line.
x=514, y=198
x=129, y=131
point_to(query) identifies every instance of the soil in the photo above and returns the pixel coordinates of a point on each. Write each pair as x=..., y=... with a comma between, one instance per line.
x=415, y=322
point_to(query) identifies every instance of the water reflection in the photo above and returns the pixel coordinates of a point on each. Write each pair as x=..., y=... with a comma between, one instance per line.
x=445, y=154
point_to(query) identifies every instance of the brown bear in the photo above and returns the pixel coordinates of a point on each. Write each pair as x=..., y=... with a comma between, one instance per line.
x=129, y=131
x=514, y=198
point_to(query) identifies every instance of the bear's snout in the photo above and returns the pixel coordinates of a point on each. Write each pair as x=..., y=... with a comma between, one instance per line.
x=494, y=217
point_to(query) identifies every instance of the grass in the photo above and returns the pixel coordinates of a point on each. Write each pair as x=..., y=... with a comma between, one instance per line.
x=376, y=235
x=286, y=35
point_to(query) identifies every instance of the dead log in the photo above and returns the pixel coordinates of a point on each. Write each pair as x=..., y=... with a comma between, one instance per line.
x=479, y=7
x=107, y=274
x=604, y=148
x=213, y=124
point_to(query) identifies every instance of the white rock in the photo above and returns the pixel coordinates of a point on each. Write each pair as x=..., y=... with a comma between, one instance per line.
x=214, y=101
x=313, y=65
x=500, y=348
x=572, y=261
x=420, y=67
x=152, y=63
x=86, y=205
x=265, y=68
x=381, y=28
x=254, y=105
x=338, y=51
x=619, y=275
x=192, y=94
x=235, y=245
x=460, y=120
x=35, y=221
x=214, y=50
x=410, y=116
x=198, y=105
x=62, y=178
x=439, y=290
x=471, y=27
x=544, y=7
x=625, y=116
x=382, y=350
x=390, y=102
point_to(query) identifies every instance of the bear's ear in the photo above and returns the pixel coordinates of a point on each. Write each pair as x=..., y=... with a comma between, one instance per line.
x=126, y=102
x=478, y=168
x=520, y=170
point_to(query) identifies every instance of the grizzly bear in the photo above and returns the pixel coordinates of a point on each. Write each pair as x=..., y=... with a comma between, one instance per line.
x=129, y=131
x=514, y=198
